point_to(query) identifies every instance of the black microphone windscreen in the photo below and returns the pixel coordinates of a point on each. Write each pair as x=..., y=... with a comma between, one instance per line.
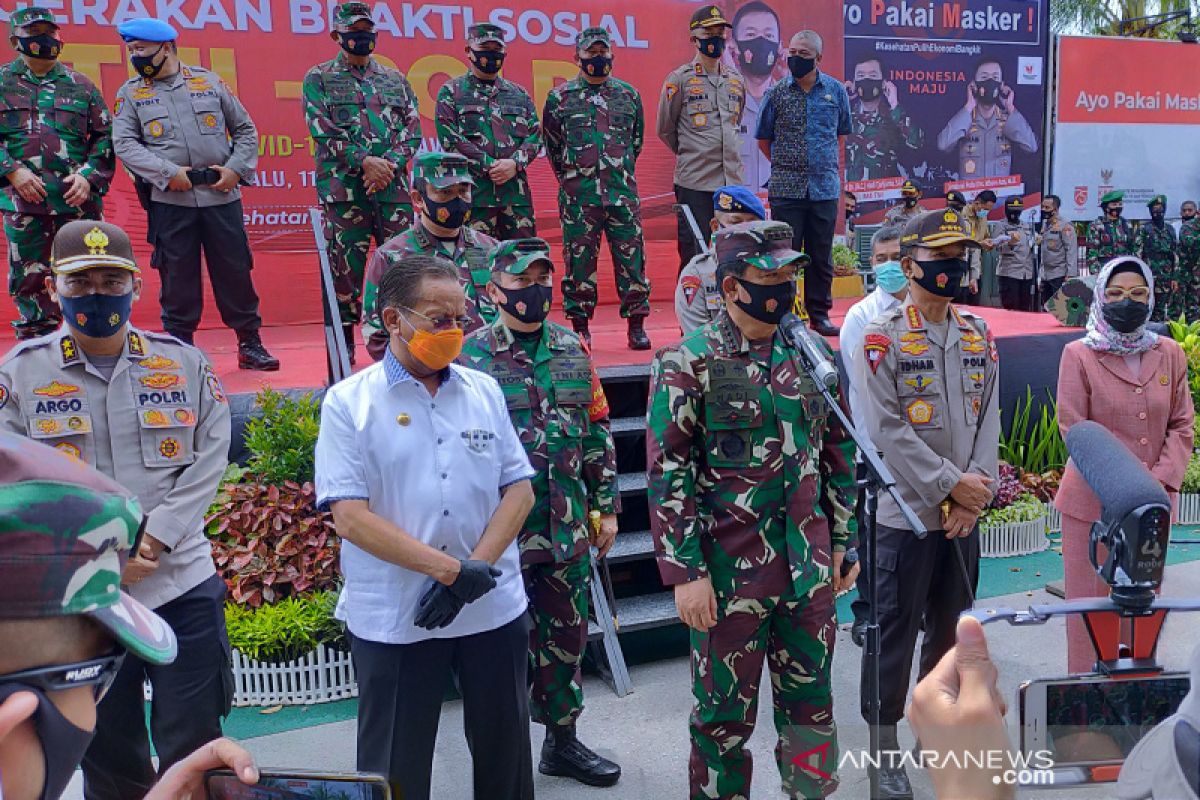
x=1119, y=479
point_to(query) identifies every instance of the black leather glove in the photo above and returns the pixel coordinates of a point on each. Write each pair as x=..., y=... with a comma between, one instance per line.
x=438, y=607
x=475, y=579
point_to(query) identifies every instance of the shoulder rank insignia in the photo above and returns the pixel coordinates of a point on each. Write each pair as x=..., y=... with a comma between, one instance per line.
x=915, y=322
x=70, y=352
x=136, y=346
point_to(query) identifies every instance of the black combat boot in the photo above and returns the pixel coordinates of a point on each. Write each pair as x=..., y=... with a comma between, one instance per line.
x=893, y=780
x=638, y=340
x=563, y=754
x=252, y=354
x=580, y=324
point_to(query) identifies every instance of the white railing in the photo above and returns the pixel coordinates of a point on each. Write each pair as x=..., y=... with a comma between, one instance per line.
x=1013, y=539
x=316, y=677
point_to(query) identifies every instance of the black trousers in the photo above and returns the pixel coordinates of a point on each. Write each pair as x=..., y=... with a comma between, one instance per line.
x=401, y=687
x=1050, y=287
x=918, y=579
x=179, y=233
x=190, y=697
x=861, y=605
x=701, y=204
x=812, y=224
x=1015, y=293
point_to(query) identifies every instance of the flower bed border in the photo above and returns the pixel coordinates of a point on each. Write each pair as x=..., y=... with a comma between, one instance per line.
x=1189, y=509
x=1013, y=538
x=320, y=676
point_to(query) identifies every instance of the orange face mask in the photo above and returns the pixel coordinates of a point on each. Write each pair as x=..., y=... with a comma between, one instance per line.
x=436, y=350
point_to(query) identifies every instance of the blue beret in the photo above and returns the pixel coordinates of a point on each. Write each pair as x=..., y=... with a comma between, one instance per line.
x=738, y=200
x=147, y=30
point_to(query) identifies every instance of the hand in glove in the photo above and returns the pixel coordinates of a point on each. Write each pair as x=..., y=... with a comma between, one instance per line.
x=475, y=579
x=438, y=607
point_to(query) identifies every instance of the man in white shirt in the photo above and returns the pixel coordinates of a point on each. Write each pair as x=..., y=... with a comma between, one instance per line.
x=429, y=486
x=891, y=286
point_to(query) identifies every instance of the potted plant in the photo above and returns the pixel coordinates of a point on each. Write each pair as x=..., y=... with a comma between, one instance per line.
x=847, y=282
x=1015, y=522
x=279, y=557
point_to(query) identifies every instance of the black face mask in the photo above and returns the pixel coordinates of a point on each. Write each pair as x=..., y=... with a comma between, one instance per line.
x=596, y=66
x=1048, y=213
x=488, y=62
x=357, y=43
x=712, y=47
x=145, y=66
x=1188, y=214
x=531, y=304
x=1158, y=217
x=450, y=214
x=758, y=55
x=63, y=744
x=801, y=66
x=869, y=88
x=850, y=212
x=987, y=92
x=1013, y=216
x=768, y=302
x=1125, y=316
x=1114, y=211
x=44, y=45
x=910, y=202
x=943, y=277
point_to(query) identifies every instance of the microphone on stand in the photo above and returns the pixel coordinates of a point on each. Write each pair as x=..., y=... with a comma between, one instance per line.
x=812, y=357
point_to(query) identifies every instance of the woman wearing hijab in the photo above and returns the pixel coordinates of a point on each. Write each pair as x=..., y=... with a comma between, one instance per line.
x=1133, y=382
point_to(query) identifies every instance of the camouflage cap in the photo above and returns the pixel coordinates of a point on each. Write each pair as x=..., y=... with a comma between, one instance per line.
x=88, y=244
x=66, y=531
x=706, y=16
x=1158, y=198
x=484, y=32
x=442, y=169
x=27, y=16
x=517, y=255
x=909, y=189
x=346, y=14
x=589, y=36
x=936, y=229
x=1112, y=197
x=763, y=244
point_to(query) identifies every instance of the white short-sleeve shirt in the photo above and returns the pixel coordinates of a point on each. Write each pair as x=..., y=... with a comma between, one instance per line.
x=434, y=466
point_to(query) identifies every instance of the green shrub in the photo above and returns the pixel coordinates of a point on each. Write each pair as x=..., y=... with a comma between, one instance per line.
x=1034, y=445
x=845, y=260
x=1025, y=508
x=286, y=630
x=1191, y=478
x=282, y=438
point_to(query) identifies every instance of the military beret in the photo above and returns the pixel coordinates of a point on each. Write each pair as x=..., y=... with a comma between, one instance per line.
x=1014, y=202
x=147, y=30
x=27, y=16
x=589, y=36
x=66, y=532
x=706, y=16
x=763, y=244
x=517, y=255
x=1112, y=197
x=346, y=14
x=442, y=169
x=484, y=32
x=955, y=198
x=936, y=229
x=738, y=200
x=909, y=188
x=1158, y=198
x=90, y=244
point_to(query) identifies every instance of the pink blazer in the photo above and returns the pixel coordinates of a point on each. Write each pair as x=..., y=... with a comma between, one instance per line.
x=1151, y=413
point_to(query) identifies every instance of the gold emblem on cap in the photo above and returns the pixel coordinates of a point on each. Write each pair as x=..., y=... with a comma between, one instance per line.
x=950, y=216
x=96, y=241
x=403, y=419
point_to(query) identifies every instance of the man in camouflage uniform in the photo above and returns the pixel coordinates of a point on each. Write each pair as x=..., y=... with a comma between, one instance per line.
x=492, y=121
x=560, y=412
x=1157, y=245
x=1109, y=235
x=441, y=192
x=594, y=126
x=148, y=411
x=908, y=208
x=1187, y=299
x=880, y=129
x=56, y=160
x=751, y=492
x=364, y=121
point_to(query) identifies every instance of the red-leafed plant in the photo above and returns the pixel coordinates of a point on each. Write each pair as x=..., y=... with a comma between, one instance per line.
x=270, y=542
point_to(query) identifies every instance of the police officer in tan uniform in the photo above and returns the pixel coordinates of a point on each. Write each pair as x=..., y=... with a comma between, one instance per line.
x=929, y=384
x=699, y=118
x=148, y=412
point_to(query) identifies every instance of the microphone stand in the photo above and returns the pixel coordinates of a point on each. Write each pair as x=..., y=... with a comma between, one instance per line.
x=878, y=479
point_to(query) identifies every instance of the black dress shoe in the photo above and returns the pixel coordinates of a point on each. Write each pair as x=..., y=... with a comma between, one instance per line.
x=252, y=355
x=580, y=326
x=638, y=340
x=824, y=327
x=893, y=784
x=563, y=754
x=858, y=632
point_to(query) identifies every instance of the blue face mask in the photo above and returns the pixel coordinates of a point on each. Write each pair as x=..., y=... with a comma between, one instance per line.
x=982, y=213
x=890, y=276
x=97, y=315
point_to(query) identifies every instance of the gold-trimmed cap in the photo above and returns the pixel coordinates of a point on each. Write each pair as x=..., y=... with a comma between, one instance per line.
x=936, y=229
x=90, y=244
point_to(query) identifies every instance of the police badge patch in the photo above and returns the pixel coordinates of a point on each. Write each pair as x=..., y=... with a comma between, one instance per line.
x=477, y=439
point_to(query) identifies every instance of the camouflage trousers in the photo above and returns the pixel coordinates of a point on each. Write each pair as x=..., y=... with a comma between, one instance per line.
x=796, y=637
x=349, y=228
x=1177, y=293
x=29, y=238
x=504, y=222
x=1164, y=277
x=558, y=603
x=582, y=226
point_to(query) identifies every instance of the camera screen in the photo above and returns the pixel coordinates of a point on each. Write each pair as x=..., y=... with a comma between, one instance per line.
x=1102, y=720
x=292, y=787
